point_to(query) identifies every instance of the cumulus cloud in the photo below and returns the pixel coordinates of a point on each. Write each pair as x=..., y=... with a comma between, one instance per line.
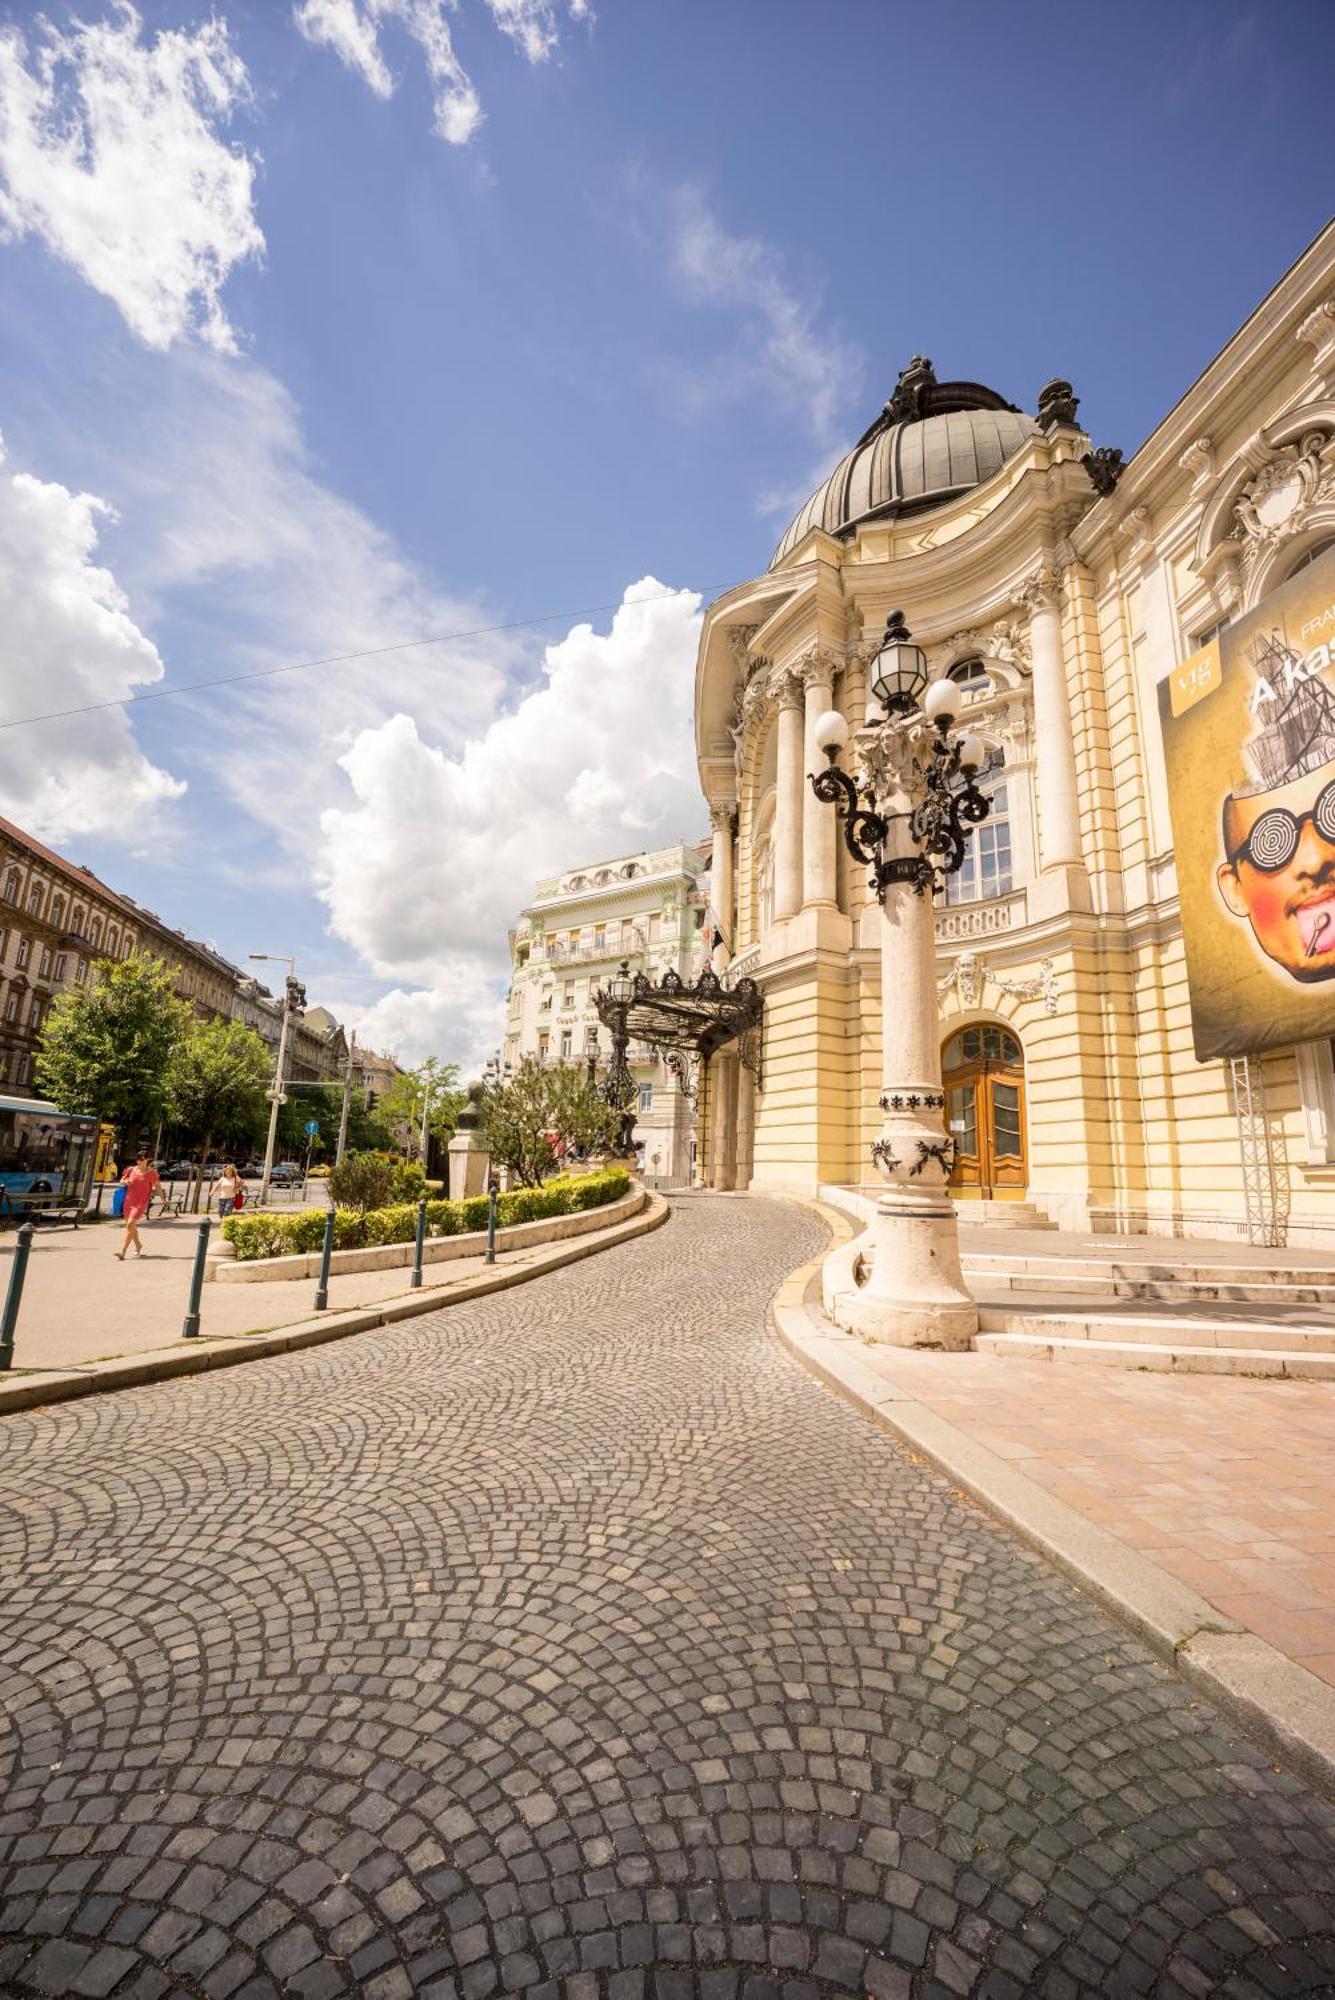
x=431, y=862
x=66, y=638
x=110, y=154
x=351, y=28
x=462, y=1019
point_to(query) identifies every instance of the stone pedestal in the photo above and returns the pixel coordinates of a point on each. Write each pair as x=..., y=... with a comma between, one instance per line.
x=915, y=1295
x=470, y=1162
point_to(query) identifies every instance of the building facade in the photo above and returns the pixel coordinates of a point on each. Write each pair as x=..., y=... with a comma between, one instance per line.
x=649, y=909
x=1061, y=590
x=57, y=919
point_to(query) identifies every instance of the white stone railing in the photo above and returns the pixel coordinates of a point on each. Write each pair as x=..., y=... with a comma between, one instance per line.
x=743, y=966
x=985, y=919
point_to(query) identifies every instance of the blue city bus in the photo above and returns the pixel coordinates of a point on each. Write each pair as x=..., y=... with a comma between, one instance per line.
x=44, y=1151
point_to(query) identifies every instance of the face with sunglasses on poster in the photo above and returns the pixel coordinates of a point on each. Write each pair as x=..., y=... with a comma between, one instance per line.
x=1280, y=871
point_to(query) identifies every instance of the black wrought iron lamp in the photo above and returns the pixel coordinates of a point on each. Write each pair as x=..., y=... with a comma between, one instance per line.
x=618, y=1087
x=946, y=797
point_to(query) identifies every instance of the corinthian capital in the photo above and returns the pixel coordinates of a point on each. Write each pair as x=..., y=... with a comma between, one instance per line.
x=1039, y=592
x=723, y=815
x=818, y=665
x=786, y=685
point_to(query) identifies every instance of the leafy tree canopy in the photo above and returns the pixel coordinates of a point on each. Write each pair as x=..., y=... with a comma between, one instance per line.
x=543, y=1109
x=218, y=1076
x=399, y=1106
x=107, y=1047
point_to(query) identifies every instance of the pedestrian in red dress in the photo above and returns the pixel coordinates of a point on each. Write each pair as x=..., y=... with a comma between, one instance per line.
x=139, y=1182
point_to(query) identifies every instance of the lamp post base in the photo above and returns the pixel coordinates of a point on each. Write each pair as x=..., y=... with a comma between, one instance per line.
x=914, y=1295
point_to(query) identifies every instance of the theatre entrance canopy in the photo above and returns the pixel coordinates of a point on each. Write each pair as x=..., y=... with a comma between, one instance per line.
x=687, y=1022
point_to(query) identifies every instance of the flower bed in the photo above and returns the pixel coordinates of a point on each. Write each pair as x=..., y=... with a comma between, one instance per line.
x=268, y=1234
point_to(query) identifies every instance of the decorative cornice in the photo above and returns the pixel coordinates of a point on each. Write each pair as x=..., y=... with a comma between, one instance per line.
x=1137, y=528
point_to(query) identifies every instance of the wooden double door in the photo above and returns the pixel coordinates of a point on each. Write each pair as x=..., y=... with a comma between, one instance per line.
x=982, y=1071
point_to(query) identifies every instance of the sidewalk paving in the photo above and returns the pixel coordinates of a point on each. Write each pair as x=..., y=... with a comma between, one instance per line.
x=80, y=1305
x=1226, y=1483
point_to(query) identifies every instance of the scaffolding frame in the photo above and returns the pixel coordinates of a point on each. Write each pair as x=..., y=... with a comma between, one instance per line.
x=1266, y=1224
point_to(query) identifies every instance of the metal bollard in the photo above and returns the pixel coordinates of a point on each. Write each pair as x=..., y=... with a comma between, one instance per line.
x=191, y=1327
x=14, y=1296
x=416, y=1278
x=491, y=1223
x=326, y=1252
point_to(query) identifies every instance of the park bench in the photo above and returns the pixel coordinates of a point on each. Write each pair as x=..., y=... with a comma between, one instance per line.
x=38, y=1205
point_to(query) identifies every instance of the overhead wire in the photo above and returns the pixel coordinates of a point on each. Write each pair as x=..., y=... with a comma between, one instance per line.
x=344, y=659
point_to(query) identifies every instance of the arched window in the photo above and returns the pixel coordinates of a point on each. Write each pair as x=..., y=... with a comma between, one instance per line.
x=95, y=935
x=12, y=886
x=113, y=939
x=971, y=674
x=58, y=910
x=35, y=899
x=1309, y=556
x=986, y=869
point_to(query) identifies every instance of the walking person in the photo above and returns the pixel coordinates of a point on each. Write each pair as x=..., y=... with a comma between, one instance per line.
x=139, y=1181
x=229, y=1190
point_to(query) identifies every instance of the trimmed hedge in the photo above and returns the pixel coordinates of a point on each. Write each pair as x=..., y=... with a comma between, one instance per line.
x=266, y=1233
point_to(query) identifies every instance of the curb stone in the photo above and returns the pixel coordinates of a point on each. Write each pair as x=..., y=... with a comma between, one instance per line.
x=1289, y=1711
x=35, y=1390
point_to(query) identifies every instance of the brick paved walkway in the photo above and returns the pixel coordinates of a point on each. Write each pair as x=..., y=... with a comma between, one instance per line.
x=1229, y=1484
x=574, y=1643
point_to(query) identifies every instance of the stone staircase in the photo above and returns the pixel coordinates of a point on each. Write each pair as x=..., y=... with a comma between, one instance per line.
x=1214, y=1309
x=1002, y=1215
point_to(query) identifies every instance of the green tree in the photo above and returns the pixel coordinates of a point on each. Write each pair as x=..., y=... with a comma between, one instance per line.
x=216, y=1085
x=542, y=1108
x=107, y=1047
x=400, y=1106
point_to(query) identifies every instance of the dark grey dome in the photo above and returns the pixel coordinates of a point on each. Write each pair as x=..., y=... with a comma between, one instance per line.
x=932, y=441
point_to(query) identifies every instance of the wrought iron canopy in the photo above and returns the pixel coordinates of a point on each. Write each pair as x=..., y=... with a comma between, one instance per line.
x=695, y=1018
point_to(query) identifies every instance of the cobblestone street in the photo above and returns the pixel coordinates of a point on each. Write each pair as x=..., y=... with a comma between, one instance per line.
x=574, y=1642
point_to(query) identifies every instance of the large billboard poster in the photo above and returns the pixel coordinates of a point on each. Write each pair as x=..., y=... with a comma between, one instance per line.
x=1249, y=741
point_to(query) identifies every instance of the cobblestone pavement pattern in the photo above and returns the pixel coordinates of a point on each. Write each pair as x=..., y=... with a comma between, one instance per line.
x=575, y=1643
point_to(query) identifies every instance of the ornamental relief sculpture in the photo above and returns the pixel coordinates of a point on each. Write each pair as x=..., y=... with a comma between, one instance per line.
x=970, y=973
x=1276, y=502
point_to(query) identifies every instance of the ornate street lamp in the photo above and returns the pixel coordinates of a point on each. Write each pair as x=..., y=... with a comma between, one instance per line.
x=905, y=816
x=618, y=1086
x=899, y=671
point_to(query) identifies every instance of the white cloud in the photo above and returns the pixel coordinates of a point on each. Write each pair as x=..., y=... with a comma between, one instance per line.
x=66, y=638
x=351, y=28
x=463, y=1020
x=432, y=863
x=237, y=534
x=785, y=349
x=109, y=152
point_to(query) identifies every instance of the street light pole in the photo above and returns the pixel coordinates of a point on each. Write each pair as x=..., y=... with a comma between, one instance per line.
x=906, y=816
x=342, y=1146
x=277, y=1094
x=429, y=1077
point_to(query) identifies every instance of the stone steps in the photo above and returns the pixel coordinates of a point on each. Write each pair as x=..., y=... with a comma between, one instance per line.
x=1003, y=1214
x=1299, y=1364
x=1196, y=1284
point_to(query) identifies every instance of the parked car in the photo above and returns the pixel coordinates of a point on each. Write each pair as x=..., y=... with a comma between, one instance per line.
x=251, y=1170
x=285, y=1174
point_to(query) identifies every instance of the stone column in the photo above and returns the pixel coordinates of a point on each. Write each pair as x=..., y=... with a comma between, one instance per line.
x=915, y=1295
x=819, y=829
x=789, y=803
x=1058, y=811
x=746, y=1125
x=723, y=820
x=725, y=1079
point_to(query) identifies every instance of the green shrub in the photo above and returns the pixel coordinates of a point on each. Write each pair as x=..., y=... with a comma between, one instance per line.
x=362, y=1181
x=263, y=1233
x=407, y=1183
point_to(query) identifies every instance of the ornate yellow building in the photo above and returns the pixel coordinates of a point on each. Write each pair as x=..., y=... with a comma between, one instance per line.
x=1060, y=592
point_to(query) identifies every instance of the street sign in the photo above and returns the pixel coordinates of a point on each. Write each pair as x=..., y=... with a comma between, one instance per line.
x=312, y=1129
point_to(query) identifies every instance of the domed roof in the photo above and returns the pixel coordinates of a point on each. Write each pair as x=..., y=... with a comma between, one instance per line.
x=932, y=441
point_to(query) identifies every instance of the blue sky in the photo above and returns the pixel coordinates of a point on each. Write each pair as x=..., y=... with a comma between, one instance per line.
x=497, y=311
